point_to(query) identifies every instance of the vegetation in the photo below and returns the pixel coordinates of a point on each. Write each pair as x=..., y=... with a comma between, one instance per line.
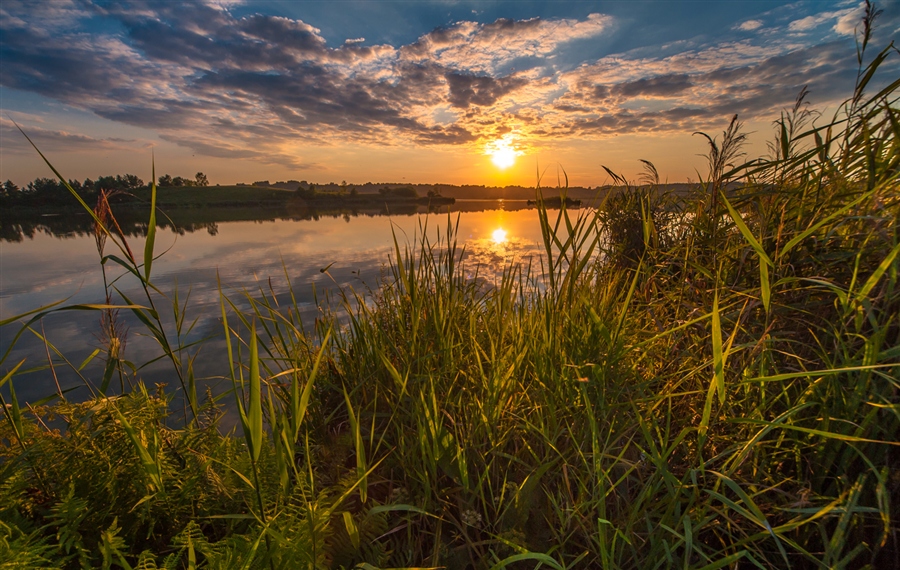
x=401, y=192
x=47, y=192
x=45, y=195
x=198, y=180
x=706, y=383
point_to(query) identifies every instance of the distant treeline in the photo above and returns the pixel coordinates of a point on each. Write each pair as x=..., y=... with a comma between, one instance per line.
x=372, y=187
x=307, y=190
x=405, y=189
x=42, y=192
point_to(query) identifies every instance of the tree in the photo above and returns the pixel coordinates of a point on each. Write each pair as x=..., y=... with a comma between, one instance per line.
x=108, y=183
x=8, y=192
x=129, y=182
x=9, y=188
x=405, y=192
x=165, y=180
x=201, y=179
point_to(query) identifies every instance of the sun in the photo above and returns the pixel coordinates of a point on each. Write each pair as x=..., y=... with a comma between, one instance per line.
x=503, y=157
x=502, y=152
x=499, y=236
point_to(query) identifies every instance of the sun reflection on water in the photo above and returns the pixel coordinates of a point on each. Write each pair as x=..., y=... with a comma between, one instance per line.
x=499, y=236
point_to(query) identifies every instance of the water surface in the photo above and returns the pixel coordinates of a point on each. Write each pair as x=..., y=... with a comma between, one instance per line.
x=41, y=266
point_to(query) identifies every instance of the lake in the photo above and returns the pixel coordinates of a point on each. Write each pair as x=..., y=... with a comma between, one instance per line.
x=54, y=260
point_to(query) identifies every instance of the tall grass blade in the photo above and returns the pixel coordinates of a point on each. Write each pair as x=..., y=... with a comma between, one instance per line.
x=254, y=417
x=151, y=226
x=718, y=355
x=541, y=560
x=877, y=274
x=12, y=411
x=361, y=469
x=302, y=404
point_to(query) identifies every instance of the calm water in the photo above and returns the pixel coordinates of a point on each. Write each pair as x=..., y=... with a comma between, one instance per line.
x=246, y=255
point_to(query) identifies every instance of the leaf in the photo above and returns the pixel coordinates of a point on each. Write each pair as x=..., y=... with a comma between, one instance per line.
x=352, y=529
x=765, y=286
x=89, y=359
x=745, y=231
x=151, y=227
x=707, y=411
x=303, y=404
x=108, y=371
x=254, y=419
x=727, y=561
x=15, y=318
x=718, y=356
x=536, y=556
x=15, y=413
x=360, y=449
x=877, y=274
x=818, y=432
x=809, y=231
x=150, y=466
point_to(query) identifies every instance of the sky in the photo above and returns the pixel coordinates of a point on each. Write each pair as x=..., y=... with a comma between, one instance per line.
x=416, y=91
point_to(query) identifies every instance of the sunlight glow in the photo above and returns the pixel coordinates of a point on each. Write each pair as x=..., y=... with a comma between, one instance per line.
x=503, y=158
x=499, y=236
x=503, y=152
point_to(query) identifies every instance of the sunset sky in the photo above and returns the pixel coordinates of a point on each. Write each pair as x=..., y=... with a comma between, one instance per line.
x=408, y=91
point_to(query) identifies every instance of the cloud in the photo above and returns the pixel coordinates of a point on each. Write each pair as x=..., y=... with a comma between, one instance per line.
x=256, y=87
x=660, y=86
x=750, y=25
x=468, y=89
x=49, y=140
x=846, y=25
x=486, y=47
x=701, y=89
x=846, y=20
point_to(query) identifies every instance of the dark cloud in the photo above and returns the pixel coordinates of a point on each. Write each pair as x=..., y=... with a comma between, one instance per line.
x=55, y=141
x=468, y=89
x=708, y=97
x=215, y=148
x=600, y=92
x=504, y=27
x=662, y=86
x=452, y=134
x=72, y=71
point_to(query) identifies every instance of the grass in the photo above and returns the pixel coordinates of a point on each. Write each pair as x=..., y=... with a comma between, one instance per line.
x=709, y=383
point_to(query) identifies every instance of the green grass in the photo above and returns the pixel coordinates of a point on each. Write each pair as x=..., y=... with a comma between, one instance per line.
x=701, y=383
